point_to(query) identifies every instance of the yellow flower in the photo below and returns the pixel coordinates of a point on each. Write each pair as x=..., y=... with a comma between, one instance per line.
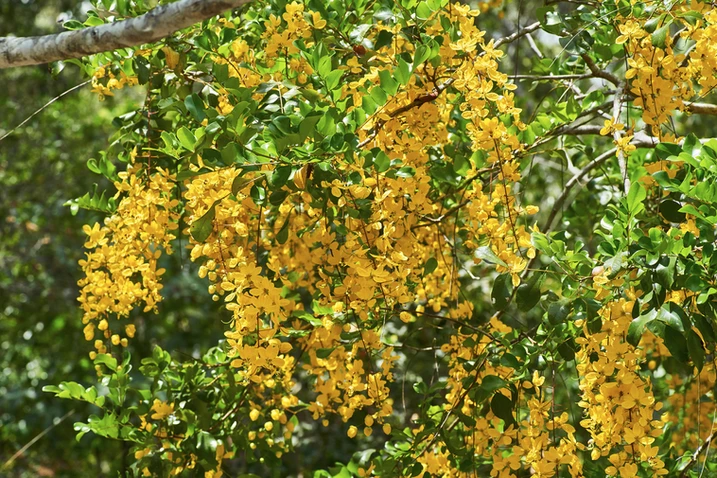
x=318, y=22
x=96, y=236
x=161, y=409
x=610, y=126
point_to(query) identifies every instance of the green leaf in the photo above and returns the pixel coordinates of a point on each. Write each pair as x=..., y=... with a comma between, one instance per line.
x=635, y=198
x=420, y=387
x=382, y=162
x=308, y=126
x=509, y=360
x=485, y=253
x=92, y=166
x=558, y=312
x=324, y=353
x=670, y=210
x=430, y=266
x=307, y=317
x=566, y=350
x=186, y=138
x=202, y=228
x=388, y=84
x=652, y=23
x=690, y=209
x=333, y=79
x=258, y=194
x=280, y=176
x=421, y=55
x=402, y=72
x=501, y=291
x=195, y=106
x=383, y=39
x=239, y=183
x=106, y=359
x=528, y=295
x=676, y=344
x=423, y=11
x=659, y=37
x=665, y=271
x=277, y=197
x=378, y=95
x=282, y=124
x=705, y=327
x=673, y=315
x=696, y=349
x=637, y=327
x=502, y=407
x=51, y=389
x=491, y=383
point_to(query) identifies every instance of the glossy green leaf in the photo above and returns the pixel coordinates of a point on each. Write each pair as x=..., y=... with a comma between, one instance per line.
x=202, y=228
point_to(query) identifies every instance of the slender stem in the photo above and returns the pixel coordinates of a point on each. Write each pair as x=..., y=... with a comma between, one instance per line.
x=35, y=439
x=43, y=108
x=695, y=456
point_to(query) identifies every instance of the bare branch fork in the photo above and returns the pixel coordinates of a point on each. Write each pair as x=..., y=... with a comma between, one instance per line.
x=150, y=27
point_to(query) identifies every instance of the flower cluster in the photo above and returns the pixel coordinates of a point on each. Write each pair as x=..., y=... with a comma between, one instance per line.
x=104, y=81
x=619, y=404
x=121, y=266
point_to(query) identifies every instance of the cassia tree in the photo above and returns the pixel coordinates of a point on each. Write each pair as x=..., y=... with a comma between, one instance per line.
x=391, y=212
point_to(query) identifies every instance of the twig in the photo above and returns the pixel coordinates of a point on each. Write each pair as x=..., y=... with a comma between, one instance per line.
x=693, y=459
x=701, y=108
x=403, y=109
x=581, y=76
x=617, y=135
x=35, y=439
x=43, y=108
x=520, y=33
x=572, y=182
x=598, y=72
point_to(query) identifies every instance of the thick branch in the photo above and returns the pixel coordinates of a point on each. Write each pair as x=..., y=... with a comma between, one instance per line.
x=598, y=72
x=582, y=76
x=701, y=108
x=150, y=27
x=641, y=140
x=520, y=33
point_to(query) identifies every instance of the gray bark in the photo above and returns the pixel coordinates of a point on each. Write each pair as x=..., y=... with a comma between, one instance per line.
x=150, y=27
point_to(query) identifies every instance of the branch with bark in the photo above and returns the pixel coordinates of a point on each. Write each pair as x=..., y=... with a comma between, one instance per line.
x=695, y=456
x=153, y=26
x=435, y=93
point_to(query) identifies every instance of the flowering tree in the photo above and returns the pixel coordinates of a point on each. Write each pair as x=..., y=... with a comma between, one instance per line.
x=402, y=244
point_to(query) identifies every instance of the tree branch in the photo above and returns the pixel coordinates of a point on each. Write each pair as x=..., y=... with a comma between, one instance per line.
x=598, y=72
x=403, y=109
x=701, y=108
x=441, y=88
x=617, y=135
x=35, y=439
x=150, y=27
x=581, y=76
x=557, y=206
x=695, y=456
x=520, y=33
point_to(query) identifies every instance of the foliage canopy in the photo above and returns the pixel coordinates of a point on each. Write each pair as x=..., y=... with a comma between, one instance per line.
x=398, y=235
